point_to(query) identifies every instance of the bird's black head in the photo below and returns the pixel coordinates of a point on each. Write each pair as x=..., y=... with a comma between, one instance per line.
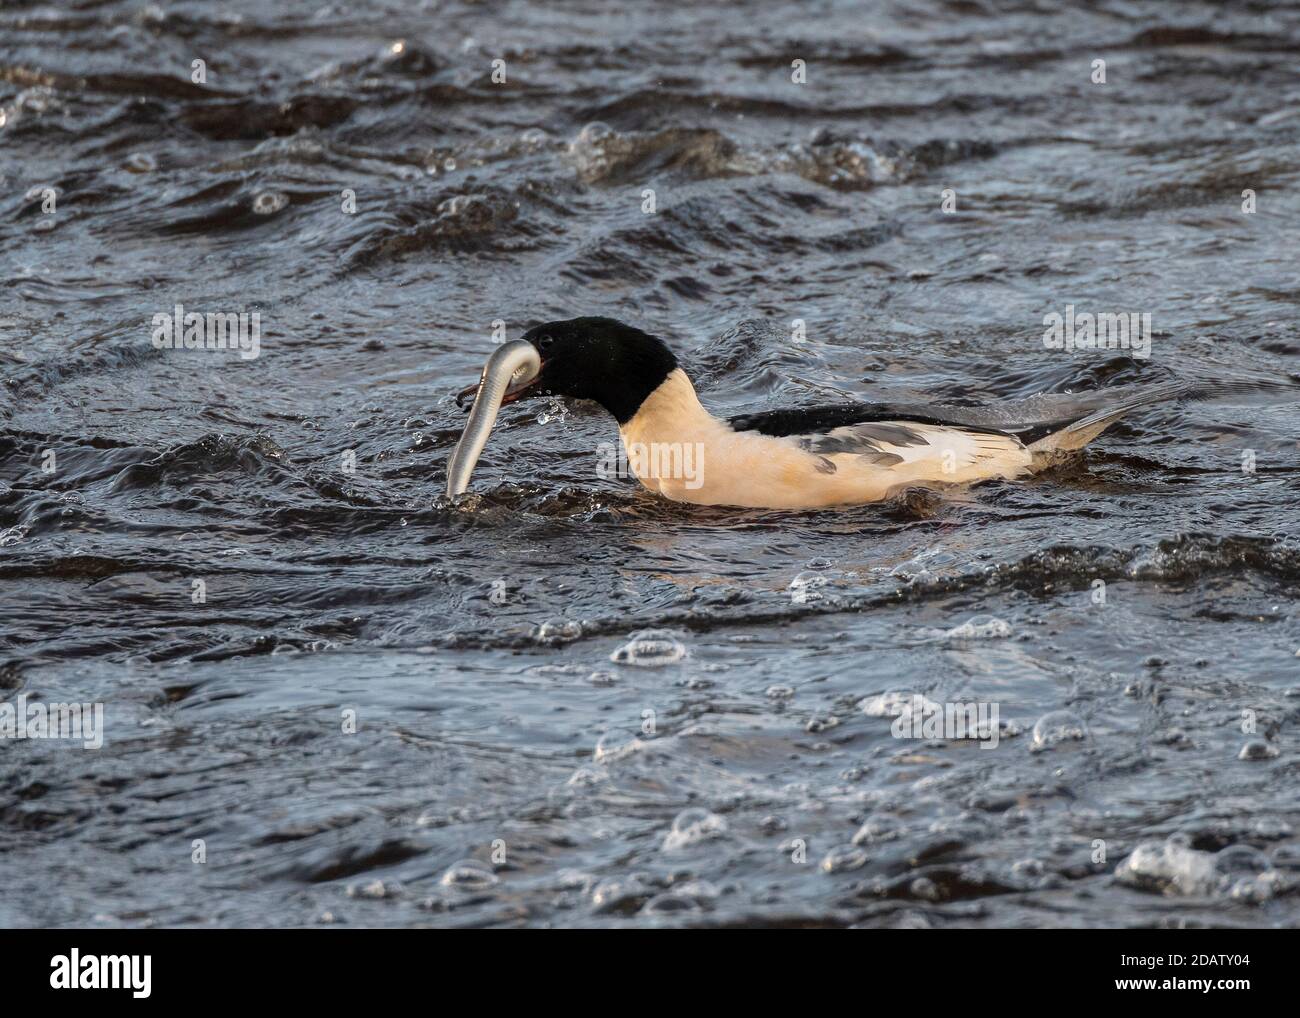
x=599, y=359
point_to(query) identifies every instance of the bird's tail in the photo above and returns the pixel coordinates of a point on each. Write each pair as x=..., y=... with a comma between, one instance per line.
x=1127, y=398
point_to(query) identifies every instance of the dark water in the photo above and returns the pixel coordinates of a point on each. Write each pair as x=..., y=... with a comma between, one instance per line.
x=474, y=642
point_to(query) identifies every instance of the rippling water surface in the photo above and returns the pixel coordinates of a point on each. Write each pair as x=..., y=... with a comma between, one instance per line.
x=521, y=754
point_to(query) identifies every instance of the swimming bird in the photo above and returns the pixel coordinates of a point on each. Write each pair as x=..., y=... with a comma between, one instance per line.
x=807, y=458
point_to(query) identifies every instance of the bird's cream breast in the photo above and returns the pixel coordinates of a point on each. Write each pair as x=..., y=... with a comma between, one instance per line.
x=725, y=467
x=678, y=449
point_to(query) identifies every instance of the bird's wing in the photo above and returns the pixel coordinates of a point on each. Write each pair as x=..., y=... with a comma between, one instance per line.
x=887, y=453
x=941, y=449
x=1047, y=418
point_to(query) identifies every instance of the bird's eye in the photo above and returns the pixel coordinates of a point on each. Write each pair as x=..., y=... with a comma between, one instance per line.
x=544, y=342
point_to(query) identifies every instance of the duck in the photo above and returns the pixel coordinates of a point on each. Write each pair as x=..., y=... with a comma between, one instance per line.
x=803, y=458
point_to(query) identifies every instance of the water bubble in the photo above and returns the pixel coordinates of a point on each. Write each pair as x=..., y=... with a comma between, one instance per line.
x=13, y=535
x=779, y=692
x=1168, y=868
x=1057, y=727
x=878, y=828
x=575, y=880
x=375, y=890
x=594, y=133
x=894, y=703
x=615, y=746
x=690, y=897
x=449, y=164
x=602, y=678
x=534, y=137
x=1175, y=737
x=701, y=891
x=140, y=162
x=469, y=875
x=670, y=903
x=650, y=648
x=558, y=630
x=1247, y=874
x=925, y=888
x=1270, y=828
x=1256, y=889
x=456, y=205
x=619, y=895
x=270, y=202
x=843, y=859
x=1238, y=859
x=1257, y=749
x=693, y=826
x=980, y=627
x=588, y=776
x=804, y=587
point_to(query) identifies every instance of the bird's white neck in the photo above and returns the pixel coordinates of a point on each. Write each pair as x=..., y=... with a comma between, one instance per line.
x=669, y=438
x=671, y=413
